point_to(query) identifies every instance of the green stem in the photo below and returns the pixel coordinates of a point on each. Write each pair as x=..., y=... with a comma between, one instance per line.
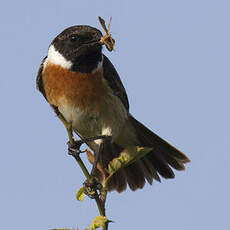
x=89, y=178
x=82, y=165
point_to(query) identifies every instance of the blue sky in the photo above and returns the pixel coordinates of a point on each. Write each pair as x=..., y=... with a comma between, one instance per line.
x=173, y=58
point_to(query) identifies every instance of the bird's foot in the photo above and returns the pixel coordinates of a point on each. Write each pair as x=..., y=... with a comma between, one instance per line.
x=74, y=149
x=91, y=188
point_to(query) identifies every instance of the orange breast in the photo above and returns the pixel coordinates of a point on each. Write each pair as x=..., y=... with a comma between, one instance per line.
x=75, y=89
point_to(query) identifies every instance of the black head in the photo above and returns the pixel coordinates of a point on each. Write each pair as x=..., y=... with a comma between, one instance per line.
x=80, y=45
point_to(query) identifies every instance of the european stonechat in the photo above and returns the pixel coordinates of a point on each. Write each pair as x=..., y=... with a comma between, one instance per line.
x=81, y=83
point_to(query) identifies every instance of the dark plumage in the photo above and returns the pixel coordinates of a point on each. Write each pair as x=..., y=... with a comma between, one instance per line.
x=83, y=85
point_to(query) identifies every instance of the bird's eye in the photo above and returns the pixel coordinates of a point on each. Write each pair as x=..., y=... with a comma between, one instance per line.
x=73, y=38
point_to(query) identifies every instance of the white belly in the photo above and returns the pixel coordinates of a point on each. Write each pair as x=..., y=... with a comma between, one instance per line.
x=107, y=118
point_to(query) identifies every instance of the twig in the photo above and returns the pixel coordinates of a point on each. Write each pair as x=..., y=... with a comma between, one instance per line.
x=101, y=207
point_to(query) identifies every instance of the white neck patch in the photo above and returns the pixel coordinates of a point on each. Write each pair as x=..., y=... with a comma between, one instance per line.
x=56, y=58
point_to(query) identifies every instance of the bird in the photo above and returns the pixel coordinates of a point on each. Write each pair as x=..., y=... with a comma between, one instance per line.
x=81, y=83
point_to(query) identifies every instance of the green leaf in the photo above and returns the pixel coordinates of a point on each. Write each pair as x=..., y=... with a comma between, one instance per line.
x=140, y=152
x=80, y=194
x=99, y=222
x=127, y=156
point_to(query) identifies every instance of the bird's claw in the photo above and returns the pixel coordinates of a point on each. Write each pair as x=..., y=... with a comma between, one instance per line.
x=91, y=188
x=74, y=149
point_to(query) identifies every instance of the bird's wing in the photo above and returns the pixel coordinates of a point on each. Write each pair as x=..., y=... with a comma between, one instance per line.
x=114, y=82
x=39, y=81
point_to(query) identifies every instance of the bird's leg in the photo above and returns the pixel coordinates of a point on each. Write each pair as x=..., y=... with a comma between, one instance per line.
x=91, y=186
x=96, y=158
x=105, y=140
x=75, y=147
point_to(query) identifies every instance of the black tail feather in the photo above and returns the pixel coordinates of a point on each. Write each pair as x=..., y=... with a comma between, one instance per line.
x=149, y=138
x=158, y=161
x=163, y=154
